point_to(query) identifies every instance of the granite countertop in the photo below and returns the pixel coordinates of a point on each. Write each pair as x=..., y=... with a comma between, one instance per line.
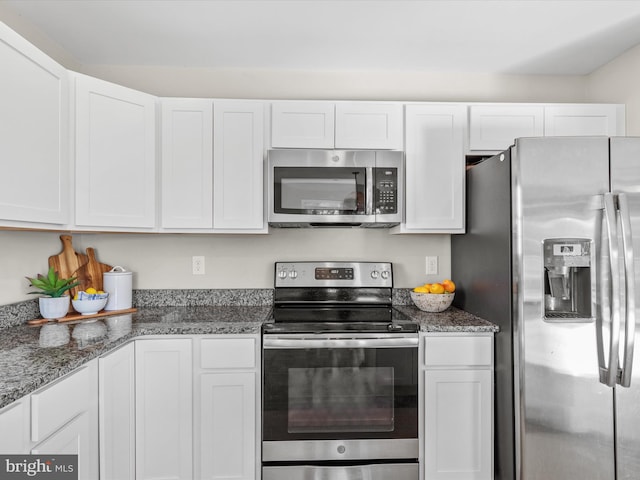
x=32, y=356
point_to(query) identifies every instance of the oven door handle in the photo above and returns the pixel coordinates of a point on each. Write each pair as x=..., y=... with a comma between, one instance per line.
x=395, y=341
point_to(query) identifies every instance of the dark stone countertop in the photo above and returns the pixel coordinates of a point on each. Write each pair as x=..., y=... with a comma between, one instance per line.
x=29, y=358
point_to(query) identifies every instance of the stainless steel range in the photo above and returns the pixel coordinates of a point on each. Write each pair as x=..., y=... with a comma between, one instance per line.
x=340, y=376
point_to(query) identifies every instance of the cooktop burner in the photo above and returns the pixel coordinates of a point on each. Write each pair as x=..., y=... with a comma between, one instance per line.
x=336, y=297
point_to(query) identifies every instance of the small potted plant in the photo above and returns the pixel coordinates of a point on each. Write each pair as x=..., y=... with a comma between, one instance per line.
x=55, y=304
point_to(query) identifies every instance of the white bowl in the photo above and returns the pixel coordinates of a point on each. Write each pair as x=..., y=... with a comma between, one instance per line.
x=89, y=307
x=432, y=302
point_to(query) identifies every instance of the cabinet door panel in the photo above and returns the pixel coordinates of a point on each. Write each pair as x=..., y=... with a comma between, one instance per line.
x=187, y=163
x=434, y=170
x=495, y=127
x=14, y=427
x=163, y=409
x=227, y=426
x=53, y=406
x=238, y=185
x=302, y=124
x=115, y=155
x=75, y=438
x=369, y=125
x=583, y=120
x=458, y=425
x=117, y=414
x=34, y=142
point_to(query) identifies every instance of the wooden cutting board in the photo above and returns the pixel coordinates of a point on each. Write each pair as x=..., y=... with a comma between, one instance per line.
x=68, y=261
x=90, y=274
x=71, y=317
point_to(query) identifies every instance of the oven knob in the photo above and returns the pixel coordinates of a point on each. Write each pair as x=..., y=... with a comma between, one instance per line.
x=341, y=449
x=282, y=274
x=385, y=274
x=293, y=274
x=375, y=274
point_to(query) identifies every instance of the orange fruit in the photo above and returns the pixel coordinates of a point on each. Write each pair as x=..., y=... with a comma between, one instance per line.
x=436, y=288
x=449, y=286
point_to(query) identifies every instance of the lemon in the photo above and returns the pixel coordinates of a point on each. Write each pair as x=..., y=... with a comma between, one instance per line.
x=75, y=297
x=421, y=289
x=91, y=291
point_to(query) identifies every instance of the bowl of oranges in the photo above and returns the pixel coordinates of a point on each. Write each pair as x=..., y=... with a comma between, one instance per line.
x=434, y=297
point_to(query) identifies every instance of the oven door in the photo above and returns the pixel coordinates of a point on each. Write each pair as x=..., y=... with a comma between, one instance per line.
x=340, y=397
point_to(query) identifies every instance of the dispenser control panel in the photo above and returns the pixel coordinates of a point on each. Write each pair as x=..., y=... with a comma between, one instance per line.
x=567, y=279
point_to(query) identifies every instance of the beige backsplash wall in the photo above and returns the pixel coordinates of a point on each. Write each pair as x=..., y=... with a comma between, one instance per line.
x=231, y=261
x=236, y=261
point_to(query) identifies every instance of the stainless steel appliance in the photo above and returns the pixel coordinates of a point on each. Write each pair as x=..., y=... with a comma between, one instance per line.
x=335, y=188
x=340, y=376
x=552, y=227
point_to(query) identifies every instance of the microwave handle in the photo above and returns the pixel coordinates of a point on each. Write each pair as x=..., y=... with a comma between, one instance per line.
x=369, y=190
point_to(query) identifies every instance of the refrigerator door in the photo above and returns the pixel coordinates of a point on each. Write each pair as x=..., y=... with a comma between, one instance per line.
x=564, y=415
x=625, y=179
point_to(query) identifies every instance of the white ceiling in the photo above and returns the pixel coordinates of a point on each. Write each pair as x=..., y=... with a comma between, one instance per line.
x=481, y=36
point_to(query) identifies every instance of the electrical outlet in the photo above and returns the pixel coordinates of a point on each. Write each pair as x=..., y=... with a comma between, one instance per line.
x=197, y=265
x=431, y=265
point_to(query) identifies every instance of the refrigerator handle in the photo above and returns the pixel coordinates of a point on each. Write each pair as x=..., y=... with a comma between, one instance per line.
x=609, y=375
x=630, y=276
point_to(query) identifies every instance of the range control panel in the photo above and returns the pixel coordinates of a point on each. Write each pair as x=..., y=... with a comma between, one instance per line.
x=333, y=274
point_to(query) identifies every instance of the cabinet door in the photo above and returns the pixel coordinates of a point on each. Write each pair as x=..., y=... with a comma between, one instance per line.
x=117, y=414
x=434, y=170
x=187, y=163
x=238, y=185
x=369, y=125
x=582, y=120
x=495, y=127
x=302, y=124
x=34, y=141
x=75, y=438
x=227, y=425
x=163, y=409
x=14, y=427
x=458, y=425
x=115, y=156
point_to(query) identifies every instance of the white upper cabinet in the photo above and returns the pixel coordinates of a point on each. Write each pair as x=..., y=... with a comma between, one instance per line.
x=369, y=125
x=238, y=157
x=342, y=125
x=494, y=127
x=580, y=120
x=434, y=168
x=115, y=156
x=302, y=124
x=34, y=91
x=187, y=163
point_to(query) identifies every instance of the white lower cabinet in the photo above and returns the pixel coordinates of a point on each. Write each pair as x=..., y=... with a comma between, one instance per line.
x=64, y=419
x=14, y=427
x=457, y=425
x=117, y=414
x=227, y=410
x=164, y=414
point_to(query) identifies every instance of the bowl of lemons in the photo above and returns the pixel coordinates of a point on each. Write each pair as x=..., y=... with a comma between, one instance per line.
x=89, y=301
x=434, y=297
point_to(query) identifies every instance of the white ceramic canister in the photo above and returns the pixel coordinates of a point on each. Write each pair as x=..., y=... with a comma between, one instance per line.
x=118, y=283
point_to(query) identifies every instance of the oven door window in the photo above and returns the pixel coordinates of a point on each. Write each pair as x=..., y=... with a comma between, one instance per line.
x=320, y=190
x=340, y=399
x=344, y=393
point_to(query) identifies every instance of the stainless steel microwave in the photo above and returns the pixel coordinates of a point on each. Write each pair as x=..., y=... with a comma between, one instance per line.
x=335, y=188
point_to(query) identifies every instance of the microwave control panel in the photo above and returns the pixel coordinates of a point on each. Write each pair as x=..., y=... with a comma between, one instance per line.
x=386, y=200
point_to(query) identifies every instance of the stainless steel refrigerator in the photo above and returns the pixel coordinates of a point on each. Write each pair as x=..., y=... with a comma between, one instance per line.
x=552, y=228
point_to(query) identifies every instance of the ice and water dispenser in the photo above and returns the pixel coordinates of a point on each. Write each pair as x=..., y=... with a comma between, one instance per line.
x=567, y=279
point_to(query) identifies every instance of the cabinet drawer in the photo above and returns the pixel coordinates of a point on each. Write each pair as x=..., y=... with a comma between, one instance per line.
x=458, y=350
x=54, y=406
x=228, y=353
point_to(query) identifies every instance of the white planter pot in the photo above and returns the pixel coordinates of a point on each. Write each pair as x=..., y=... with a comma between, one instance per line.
x=52, y=308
